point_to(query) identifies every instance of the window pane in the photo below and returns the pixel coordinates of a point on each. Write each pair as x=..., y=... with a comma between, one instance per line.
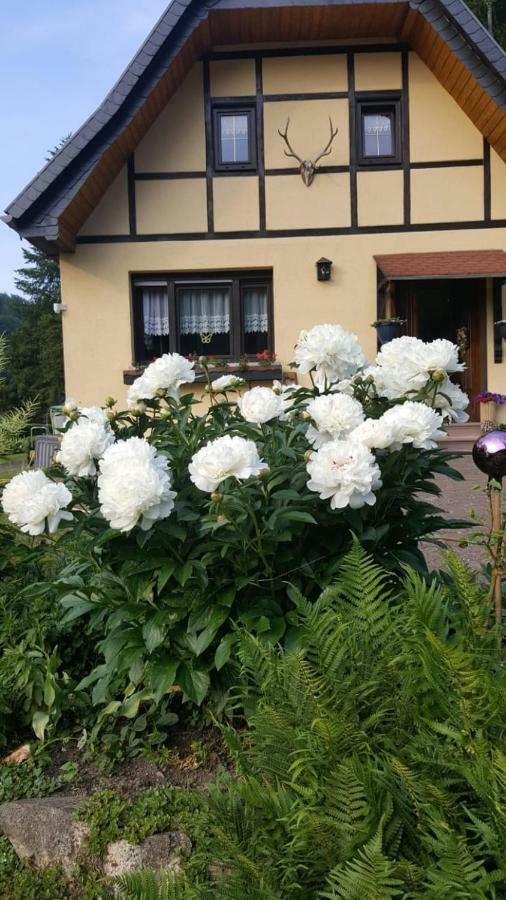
x=151, y=310
x=234, y=138
x=255, y=318
x=204, y=321
x=378, y=134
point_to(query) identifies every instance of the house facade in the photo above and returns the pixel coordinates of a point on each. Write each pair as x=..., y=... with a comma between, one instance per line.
x=249, y=140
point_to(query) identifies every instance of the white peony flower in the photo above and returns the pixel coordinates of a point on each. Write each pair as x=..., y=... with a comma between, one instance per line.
x=334, y=415
x=332, y=351
x=226, y=383
x=407, y=363
x=413, y=423
x=167, y=373
x=225, y=457
x=285, y=391
x=346, y=472
x=260, y=404
x=376, y=434
x=93, y=414
x=452, y=402
x=84, y=443
x=30, y=500
x=134, y=484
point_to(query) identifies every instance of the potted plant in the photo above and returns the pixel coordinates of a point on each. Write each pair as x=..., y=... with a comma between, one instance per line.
x=488, y=405
x=266, y=359
x=388, y=329
x=500, y=328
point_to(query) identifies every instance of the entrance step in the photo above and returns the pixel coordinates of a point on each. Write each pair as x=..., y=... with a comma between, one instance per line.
x=461, y=437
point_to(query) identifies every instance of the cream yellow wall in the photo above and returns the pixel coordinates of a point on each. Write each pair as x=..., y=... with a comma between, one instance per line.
x=233, y=78
x=447, y=195
x=111, y=214
x=95, y=284
x=498, y=185
x=380, y=197
x=176, y=142
x=235, y=201
x=290, y=204
x=438, y=127
x=168, y=207
x=304, y=74
x=378, y=71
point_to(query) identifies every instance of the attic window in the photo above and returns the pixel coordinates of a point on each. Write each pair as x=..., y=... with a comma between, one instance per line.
x=234, y=138
x=379, y=133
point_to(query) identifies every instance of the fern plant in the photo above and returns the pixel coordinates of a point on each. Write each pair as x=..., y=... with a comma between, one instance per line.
x=375, y=762
x=13, y=424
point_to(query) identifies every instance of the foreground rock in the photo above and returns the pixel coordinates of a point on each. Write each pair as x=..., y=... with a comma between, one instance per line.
x=160, y=851
x=43, y=831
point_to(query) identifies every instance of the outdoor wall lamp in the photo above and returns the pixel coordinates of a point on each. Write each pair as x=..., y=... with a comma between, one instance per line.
x=323, y=269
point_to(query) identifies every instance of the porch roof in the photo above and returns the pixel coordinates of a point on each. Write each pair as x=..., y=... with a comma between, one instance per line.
x=450, y=264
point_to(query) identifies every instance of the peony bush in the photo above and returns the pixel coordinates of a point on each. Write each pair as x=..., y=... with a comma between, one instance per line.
x=184, y=522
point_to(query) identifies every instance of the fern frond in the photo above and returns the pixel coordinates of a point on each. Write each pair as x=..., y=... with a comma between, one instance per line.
x=369, y=874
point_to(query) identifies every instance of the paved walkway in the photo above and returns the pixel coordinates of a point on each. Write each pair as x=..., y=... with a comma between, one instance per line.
x=459, y=501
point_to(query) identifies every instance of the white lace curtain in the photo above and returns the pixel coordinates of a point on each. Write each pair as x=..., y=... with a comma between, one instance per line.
x=204, y=310
x=255, y=310
x=155, y=307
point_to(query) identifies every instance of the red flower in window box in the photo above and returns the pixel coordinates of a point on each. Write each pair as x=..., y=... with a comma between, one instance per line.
x=266, y=358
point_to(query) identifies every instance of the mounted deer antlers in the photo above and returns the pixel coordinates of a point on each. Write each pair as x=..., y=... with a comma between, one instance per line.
x=308, y=167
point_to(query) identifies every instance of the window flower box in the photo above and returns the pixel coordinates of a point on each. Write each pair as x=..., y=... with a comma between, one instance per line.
x=253, y=372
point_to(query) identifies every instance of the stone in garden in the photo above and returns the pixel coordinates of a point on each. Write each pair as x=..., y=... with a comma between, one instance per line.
x=160, y=851
x=44, y=832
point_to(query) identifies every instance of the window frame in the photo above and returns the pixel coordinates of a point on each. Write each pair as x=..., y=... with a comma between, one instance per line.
x=390, y=102
x=223, y=109
x=237, y=280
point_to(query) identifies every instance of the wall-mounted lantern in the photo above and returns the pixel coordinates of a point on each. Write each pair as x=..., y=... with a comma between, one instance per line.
x=323, y=269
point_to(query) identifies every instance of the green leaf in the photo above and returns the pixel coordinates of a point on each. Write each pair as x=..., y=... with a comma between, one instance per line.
x=195, y=683
x=164, y=574
x=223, y=651
x=183, y=573
x=130, y=707
x=39, y=723
x=153, y=633
x=76, y=608
x=162, y=676
x=49, y=691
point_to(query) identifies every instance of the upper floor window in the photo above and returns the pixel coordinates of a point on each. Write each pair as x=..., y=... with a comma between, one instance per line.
x=234, y=137
x=224, y=316
x=379, y=131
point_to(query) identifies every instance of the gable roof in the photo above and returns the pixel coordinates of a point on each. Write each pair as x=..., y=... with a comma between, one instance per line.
x=445, y=34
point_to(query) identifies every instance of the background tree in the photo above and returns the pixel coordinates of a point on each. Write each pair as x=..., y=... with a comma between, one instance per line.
x=494, y=12
x=9, y=312
x=14, y=423
x=35, y=347
x=35, y=344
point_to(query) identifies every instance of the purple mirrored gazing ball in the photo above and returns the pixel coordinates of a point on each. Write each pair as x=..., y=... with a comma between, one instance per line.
x=489, y=453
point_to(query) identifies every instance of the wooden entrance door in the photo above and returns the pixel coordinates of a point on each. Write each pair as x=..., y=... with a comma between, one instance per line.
x=452, y=309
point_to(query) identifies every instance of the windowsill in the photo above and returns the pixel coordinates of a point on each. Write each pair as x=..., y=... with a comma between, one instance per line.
x=252, y=373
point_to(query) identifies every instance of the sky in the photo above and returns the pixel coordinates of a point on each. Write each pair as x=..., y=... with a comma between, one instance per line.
x=58, y=60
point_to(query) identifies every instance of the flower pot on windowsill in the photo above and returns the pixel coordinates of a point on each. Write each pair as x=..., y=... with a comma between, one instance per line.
x=254, y=372
x=500, y=328
x=388, y=329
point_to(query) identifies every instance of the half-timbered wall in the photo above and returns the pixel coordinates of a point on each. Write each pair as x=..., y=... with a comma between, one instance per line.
x=448, y=174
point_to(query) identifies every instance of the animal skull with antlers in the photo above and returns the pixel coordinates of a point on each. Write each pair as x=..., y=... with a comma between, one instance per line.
x=308, y=167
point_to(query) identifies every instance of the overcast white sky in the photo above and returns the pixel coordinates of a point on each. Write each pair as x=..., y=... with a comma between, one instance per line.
x=58, y=59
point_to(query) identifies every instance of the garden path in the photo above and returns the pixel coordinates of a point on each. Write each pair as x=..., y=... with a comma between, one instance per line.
x=457, y=501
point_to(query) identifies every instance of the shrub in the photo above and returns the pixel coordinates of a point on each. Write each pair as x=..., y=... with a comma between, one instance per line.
x=199, y=518
x=375, y=762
